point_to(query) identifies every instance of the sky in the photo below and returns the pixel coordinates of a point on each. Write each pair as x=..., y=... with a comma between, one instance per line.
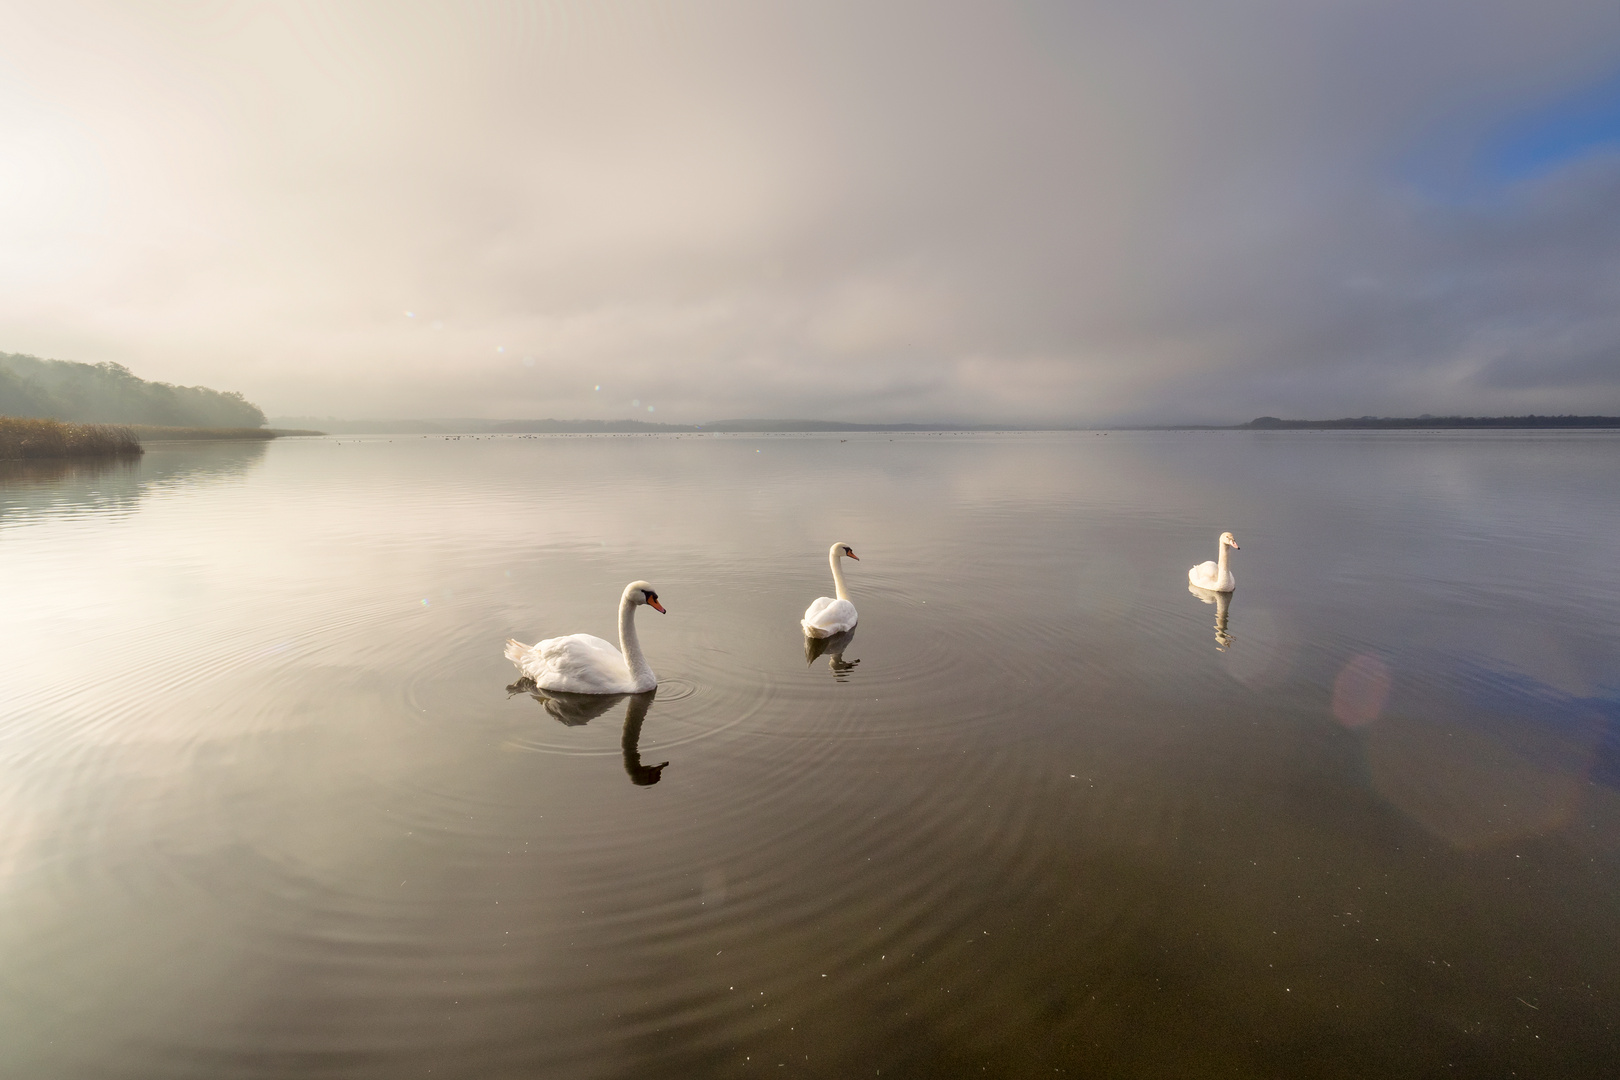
x=1153, y=211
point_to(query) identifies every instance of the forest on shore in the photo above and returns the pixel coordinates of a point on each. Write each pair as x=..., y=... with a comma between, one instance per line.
x=112, y=394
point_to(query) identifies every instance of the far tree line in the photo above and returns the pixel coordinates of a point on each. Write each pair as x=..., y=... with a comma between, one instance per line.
x=112, y=394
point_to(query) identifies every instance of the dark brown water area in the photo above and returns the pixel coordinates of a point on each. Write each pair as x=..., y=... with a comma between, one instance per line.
x=273, y=803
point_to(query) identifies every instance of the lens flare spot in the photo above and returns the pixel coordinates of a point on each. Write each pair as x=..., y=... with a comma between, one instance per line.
x=1361, y=691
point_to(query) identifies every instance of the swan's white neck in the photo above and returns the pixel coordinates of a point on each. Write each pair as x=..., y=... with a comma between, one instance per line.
x=838, y=574
x=1222, y=571
x=630, y=645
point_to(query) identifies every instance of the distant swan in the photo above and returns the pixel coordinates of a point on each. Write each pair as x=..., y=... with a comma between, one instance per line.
x=1215, y=576
x=827, y=616
x=583, y=664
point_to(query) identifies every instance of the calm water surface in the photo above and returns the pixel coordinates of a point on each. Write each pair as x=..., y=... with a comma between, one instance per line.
x=269, y=808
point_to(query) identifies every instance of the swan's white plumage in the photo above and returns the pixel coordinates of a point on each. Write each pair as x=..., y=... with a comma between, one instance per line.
x=575, y=664
x=828, y=615
x=1215, y=576
x=586, y=664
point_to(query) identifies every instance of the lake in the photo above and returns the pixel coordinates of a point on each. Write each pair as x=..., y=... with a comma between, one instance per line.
x=271, y=805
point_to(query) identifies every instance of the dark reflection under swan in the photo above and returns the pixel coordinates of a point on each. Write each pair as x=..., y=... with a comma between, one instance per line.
x=1223, y=607
x=835, y=644
x=576, y=710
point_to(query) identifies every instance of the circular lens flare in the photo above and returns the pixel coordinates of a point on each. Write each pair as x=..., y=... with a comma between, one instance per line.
x=1361, y=690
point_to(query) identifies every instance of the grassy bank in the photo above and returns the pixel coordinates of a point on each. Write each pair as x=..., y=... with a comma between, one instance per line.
x=151, y=433
x=32, y=438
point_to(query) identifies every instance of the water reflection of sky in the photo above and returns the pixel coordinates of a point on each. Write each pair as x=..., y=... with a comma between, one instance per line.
x=33, y=490
x=1492, y=756
x=1038, y=779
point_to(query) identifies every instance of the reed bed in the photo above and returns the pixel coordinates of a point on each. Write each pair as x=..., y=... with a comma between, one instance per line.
x=27, y=437
x=154, y=433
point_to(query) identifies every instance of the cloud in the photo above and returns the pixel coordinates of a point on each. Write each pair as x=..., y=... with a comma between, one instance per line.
x=1037, y=212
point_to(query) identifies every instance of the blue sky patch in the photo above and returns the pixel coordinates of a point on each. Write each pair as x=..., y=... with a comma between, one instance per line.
x=1480, y=160
x=1576, y=127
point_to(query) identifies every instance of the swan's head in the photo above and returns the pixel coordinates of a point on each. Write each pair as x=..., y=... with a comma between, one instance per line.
x=1230, y=541
x=844, y=550
x=639, y=592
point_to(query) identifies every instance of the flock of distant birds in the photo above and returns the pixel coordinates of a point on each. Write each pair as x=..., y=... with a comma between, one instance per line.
x=587, y=664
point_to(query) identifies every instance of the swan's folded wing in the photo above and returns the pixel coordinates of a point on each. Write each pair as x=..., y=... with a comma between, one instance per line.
x=579, y=652
x=829, y=616
x=582, y=663
x=817, y=606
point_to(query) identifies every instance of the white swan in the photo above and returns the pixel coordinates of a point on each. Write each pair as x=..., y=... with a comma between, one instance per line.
x=1215, y=576
x=826, y=616
x=584, y=664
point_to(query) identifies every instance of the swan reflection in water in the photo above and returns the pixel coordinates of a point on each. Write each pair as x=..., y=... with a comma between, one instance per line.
x=575, y=710
x=1223, y=606
x=835, y=644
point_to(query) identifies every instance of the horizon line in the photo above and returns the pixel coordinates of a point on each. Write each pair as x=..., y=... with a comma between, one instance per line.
x=424, y=425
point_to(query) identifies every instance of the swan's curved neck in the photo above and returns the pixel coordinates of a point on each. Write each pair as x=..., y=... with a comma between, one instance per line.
x=838, y=575
x=1223, y=559
x=629, y=644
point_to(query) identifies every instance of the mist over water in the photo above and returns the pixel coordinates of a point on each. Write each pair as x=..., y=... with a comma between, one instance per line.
x=273, y=802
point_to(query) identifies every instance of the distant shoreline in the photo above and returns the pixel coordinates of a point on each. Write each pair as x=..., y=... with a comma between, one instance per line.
x=30, y=438
x=153, y=433
x=1429, y=423
x=469, y=426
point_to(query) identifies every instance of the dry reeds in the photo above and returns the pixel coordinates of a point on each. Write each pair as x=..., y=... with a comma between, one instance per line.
x=155, y=433
x=24, y=437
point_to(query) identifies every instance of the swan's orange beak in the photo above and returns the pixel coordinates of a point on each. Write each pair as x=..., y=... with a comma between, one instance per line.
x=656, y=606
x=854, y=556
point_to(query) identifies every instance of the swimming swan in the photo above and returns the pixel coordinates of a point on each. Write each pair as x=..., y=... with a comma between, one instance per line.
x=583, y=664
x=1215, y=576
x=826, y=616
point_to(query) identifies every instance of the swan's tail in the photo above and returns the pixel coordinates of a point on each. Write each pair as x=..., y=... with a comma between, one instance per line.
x=515, y=650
